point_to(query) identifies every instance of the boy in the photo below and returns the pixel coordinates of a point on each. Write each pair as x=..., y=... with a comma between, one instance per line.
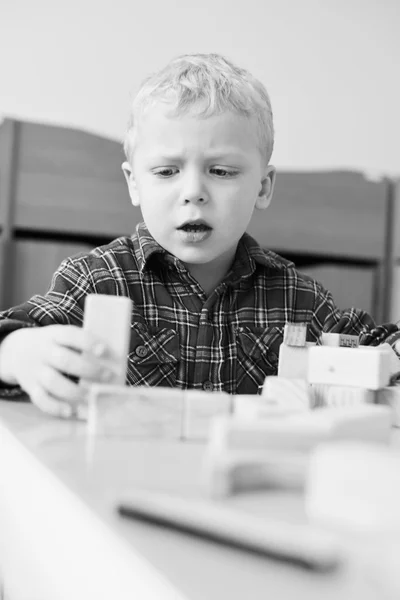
x=209, y=305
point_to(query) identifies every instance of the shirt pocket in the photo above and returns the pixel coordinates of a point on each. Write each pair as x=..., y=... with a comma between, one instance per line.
x=257, y=357
x=153, y=356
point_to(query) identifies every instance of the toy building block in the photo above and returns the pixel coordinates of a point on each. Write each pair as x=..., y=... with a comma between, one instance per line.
x=332, y=396
x=108, y=319
x=366, y=366
x=135, y=411
x=390, y=396
x=294, y=334
x=287, y=393
x=394, y=359
x=252, y=406
x=340, y=339
x=302, y=431
x=355, y=488
x=233, y=473
x=293, y=361
x=199, y=408
x=279, y=397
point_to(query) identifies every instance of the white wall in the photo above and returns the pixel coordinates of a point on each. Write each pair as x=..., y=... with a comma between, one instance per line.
x=331, y=66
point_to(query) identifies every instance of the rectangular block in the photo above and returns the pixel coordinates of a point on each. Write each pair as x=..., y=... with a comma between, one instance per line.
x=390, y=396
x=301, y=432
x=340, y=339
x=108, y=319
x=366, y=366
x=294, y=334
x=233, y=473
x=394, y=359
x=293, y=361
x=252, y=406
x=199, y=409
x=324, y=394
x=293, y=394
x=135, y=411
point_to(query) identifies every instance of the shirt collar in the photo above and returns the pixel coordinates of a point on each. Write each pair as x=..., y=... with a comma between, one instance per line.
x=248, y=254
x=146, y=247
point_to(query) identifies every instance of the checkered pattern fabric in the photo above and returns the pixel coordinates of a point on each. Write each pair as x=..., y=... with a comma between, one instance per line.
x=228, y=341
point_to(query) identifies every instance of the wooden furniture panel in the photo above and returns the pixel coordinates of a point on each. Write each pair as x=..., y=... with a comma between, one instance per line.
x=35, y=262
x=70, y=181
x=327, y=213
x=351, y=286
x=59, y=181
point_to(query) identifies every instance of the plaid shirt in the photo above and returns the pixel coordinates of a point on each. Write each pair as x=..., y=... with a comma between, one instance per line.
x=228, y=341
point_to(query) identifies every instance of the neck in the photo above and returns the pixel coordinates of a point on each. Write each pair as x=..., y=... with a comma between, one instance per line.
x=210, y=275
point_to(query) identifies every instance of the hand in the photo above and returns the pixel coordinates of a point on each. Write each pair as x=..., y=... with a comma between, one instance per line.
x=40, y=358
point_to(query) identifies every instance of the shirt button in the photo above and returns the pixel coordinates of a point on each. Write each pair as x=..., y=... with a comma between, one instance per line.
x=208, y=386
x=141, y=351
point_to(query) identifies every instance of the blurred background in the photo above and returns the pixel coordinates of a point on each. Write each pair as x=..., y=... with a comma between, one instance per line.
x=68, y=71
x=331, y=67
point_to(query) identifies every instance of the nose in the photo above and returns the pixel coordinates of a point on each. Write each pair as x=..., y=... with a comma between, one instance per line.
x=194, y=189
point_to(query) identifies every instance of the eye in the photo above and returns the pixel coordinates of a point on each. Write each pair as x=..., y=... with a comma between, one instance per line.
x=165, y=172
x=223, y=173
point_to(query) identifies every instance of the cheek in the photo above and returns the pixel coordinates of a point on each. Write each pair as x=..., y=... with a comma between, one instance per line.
x=241, y=201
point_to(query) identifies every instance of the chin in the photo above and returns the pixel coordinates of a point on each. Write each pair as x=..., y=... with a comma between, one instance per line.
x=195, y=257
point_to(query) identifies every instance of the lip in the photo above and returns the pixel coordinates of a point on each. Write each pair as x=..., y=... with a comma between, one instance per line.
x=194, y=222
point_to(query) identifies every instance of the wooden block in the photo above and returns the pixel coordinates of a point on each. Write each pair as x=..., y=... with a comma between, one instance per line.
x=340, y=339
x=293, y=361
x=199, y=408
x=265, y=435
x=293, y=394
x=135, y=411
x=235, y=472
x=252, y=406
x=394, y=358
x=108, y=319
x=390, y=396
x=366, y=366
x=294, y=334
x=302, y=431
x=364, y=423
x=355, y=487
x=332, y=396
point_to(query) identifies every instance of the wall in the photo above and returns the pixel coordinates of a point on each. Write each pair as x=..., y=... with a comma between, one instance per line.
x=331, y=67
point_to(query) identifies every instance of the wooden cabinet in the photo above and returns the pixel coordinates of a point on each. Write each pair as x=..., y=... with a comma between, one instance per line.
x=63, y=190
x=34, y=263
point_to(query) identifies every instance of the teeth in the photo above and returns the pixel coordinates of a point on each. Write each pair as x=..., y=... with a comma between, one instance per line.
x=194, y=227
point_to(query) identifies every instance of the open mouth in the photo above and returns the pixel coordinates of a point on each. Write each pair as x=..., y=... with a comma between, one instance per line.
x=195, y=227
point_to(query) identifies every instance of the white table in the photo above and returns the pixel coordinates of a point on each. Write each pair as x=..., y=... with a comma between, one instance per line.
x=61, y=537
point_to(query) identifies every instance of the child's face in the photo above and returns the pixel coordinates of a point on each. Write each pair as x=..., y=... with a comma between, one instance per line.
x=197, y=181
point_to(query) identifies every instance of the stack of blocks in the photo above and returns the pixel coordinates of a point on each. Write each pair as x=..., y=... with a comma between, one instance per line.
x=268, y=440
x=253, y=441
x=158, y=412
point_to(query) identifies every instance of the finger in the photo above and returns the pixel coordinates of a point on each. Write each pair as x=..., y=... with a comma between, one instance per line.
x=80, y=365
x=59, y=386
x=78, y=339
x=50, y=405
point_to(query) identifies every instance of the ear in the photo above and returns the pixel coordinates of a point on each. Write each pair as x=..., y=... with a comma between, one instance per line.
x=130, y=180
x=267, y=188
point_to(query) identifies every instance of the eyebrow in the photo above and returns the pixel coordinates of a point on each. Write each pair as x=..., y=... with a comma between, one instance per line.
x=220, y=155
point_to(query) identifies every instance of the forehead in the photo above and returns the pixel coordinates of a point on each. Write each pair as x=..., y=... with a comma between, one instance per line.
x=160, y=129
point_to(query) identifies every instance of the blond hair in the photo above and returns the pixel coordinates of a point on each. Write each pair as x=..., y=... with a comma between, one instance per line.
x=209, y=84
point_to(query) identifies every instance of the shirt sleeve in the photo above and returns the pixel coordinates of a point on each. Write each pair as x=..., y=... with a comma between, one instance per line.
x=62, y=304
x=328, y=318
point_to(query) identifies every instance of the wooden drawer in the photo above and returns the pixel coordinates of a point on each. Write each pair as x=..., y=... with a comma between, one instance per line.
x=329, y=213
x=350, y=286
x=35, y=263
